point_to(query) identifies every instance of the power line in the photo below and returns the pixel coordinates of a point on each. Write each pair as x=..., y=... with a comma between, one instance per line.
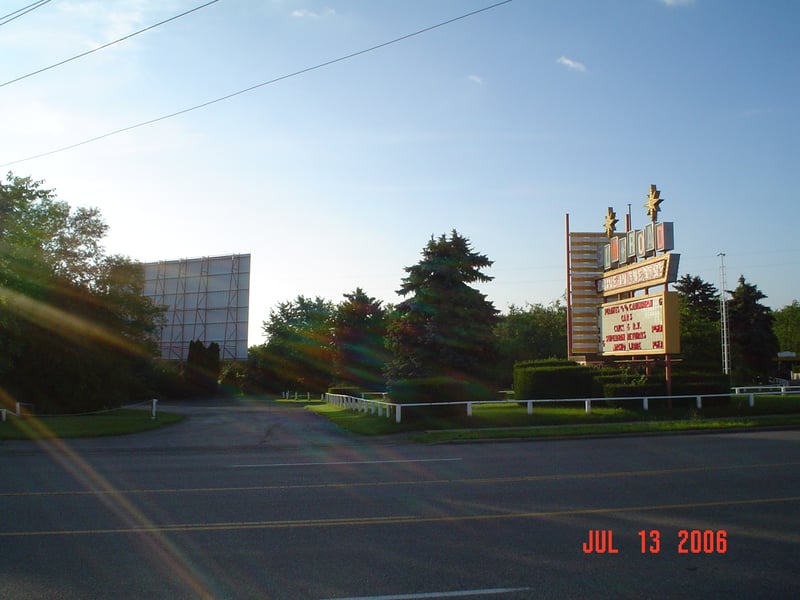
x=22, y=11
x=260, y=85
x=122, y=39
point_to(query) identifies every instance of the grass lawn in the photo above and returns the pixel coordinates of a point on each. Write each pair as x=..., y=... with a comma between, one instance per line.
x=116, y=422
x=510, y=420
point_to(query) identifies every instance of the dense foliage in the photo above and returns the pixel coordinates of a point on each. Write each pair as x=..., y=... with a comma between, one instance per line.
x=787, y=327
x=76, y=332
x=297, y=354
x=700, y=328
x=202, y=368
x=754, y=345
x=359, y=353
x=441, y=339
x=534, y=332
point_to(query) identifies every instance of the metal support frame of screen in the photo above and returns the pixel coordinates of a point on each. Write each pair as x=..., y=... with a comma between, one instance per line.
x=207, y=299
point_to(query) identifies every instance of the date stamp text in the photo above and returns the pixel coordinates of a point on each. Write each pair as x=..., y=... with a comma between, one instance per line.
x=651, y=541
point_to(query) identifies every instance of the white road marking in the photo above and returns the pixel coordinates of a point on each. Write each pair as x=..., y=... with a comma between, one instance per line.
x=456, y=594
x=345, y=462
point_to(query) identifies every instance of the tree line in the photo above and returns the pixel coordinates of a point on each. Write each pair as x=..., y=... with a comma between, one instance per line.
x=77, y=334
x=75, y=331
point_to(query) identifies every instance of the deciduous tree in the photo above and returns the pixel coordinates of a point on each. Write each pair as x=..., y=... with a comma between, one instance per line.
x=298, y=353
x=75, y=330
x=787, y=327
x=533, y=332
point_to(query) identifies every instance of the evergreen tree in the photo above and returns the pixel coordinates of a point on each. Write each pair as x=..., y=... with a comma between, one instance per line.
x=754, y=346
x=359, y=327
x=700, y=332
x=441, y=339
x=202, y=368
x=700, y=296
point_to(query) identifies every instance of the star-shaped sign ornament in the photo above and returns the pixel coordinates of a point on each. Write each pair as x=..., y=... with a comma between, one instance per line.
x=653, y=202
x=611, y=222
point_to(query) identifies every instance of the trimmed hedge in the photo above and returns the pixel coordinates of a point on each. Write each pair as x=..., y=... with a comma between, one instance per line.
x=557, y=378
x=624, y=390
x=345, y=390
x=438, y=390
x=545, y=362
x=532, y=383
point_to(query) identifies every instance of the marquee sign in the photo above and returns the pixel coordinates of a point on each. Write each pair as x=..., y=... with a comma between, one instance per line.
x=625, y=264
x=640, y=325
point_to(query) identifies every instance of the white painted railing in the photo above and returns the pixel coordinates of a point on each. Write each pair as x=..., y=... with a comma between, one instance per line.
x=384, y=408
x=365, y=405
x=767, y=389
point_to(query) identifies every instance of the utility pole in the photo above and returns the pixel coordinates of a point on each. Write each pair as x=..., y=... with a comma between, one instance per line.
x=723, y=316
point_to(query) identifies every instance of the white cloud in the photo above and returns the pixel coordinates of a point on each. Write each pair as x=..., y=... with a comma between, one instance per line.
x=571, y=64
x=476, y=79
x=304, y=13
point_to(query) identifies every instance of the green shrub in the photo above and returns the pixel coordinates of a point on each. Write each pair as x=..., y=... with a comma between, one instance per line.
x=545, y=362
x=626, y=390
x=345, y=390
x=438, y=390
x=542, y=382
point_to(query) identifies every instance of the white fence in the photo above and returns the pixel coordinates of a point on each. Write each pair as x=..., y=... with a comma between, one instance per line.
x=22, y=408
x=767, y=389
x=384, y=408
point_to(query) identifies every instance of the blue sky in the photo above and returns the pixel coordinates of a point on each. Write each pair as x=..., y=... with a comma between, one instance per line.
x=496, y=125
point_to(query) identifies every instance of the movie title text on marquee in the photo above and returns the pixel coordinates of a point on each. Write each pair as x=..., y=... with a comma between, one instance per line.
x=640, y=325
x=655, y=271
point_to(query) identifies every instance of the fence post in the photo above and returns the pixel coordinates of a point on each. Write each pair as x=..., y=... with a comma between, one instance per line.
x=154, y=410
x=588, y=404
x=699, y=402
x=644, y=403
x=397, y=410
x=3, y=410
x=530, y=407
x=752, y=400
x=469, y=409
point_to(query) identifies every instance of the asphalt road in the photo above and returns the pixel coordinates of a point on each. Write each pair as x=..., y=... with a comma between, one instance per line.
x=267, y=502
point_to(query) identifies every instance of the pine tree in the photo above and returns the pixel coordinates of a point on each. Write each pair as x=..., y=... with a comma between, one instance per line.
x=441, y=338
x=359, y=327
x=754, y=346
x=700, y=333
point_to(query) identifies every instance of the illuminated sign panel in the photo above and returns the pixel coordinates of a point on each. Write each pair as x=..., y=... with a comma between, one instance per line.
x=651, y=272
x=637, y=244
x=641, y=325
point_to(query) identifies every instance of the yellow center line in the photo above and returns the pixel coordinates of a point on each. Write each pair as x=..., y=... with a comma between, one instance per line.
x=387, y=520
x=415, y=482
